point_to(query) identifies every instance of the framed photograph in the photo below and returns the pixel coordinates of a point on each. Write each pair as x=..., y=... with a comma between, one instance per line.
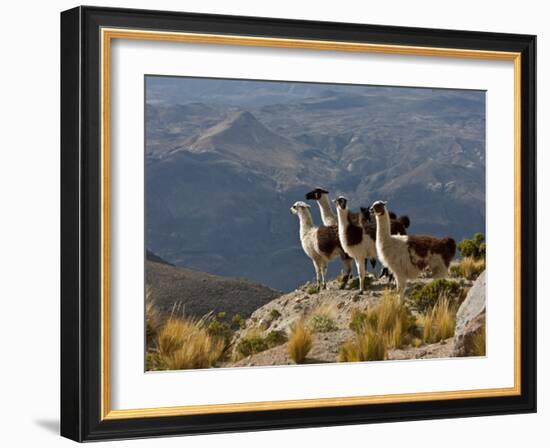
x=277, y=224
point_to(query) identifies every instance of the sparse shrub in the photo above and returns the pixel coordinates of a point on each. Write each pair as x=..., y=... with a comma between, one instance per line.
x=357, y=321
x=275, y=338
x=367, y=346
x=275, y=314
x=300, y=342
x=416, y=342
x=322, y=324
x=311, y=288
x=425, y=297
x=254, y=342
x=237, y=322
x=354, y=283
x=439, y=323
x=322, y=320
x=474, y=248
x=184, y=343
x=251, y=344
x=217, y=327
x=454, y=270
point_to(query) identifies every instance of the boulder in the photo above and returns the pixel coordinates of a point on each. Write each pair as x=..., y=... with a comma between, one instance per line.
x=470, y=319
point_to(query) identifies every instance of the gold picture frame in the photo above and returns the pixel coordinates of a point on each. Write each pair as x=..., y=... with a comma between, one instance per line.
x=106, y=33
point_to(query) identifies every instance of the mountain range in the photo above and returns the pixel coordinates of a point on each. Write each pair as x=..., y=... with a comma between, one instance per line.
x=226, y=159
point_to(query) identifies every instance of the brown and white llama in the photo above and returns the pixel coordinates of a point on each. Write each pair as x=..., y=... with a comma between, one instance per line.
x=320, y=243
x=408, y=255
x=355, y=240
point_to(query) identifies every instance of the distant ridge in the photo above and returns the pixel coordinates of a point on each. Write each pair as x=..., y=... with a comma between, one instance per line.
x=200, y=293
x=151, y=256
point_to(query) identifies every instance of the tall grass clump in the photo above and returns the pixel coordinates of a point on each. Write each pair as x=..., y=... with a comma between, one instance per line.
x=478, y=343
x=389, y=319
x=367, y=346
x=300, y=342
x=439, y=323
x=184, y=343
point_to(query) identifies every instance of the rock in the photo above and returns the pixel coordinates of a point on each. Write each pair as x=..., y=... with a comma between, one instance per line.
x=470, y=318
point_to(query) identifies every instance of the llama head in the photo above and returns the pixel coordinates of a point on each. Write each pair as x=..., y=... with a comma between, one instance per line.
x=341, y=203
x=299, y=207
x=316, y=194
x=379, y=208
x=365, y=211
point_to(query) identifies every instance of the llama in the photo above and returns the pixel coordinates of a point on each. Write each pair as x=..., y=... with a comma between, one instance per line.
x=356, y=241
x=399, y=226
x=320, y=244
x=406, y=255
x=329, y=219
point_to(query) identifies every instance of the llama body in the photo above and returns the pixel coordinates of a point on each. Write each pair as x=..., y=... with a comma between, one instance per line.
x=406, y=255
x=320, y=244
x=355, y=240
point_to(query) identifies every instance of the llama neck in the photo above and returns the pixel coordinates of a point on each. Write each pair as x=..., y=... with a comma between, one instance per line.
x=342, y=218
x=383, y=227
x=306, y=222
x=327, y=215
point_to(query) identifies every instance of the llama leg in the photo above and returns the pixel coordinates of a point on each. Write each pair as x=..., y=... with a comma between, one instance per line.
x=317, y=273
x=324, y=269
x=439, y=270
x=360, y=263
x=401, y=282
x=347, y=262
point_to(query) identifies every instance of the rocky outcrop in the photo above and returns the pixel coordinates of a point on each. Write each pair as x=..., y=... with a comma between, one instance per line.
x=470, y=320
x=279, y=316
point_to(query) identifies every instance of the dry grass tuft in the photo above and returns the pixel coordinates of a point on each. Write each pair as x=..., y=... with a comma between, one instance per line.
x=184, y=343
x=299, y=342
x=153, y=319
x=470, y=268
x=367, y=346
x=390, y=319
x=478, y=343
x=439, y=323
x=386, y=325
